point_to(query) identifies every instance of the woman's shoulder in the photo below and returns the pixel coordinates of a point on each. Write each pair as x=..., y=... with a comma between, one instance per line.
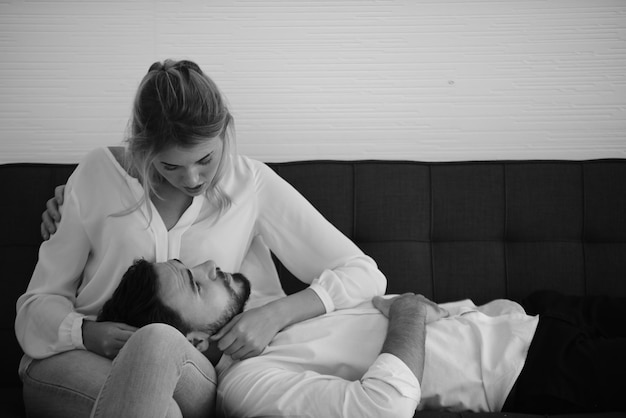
x=98, y=155
x=98, y=165
x=243, y=161
x=111, y=157
x=118, y=153
x=251, y=167
x=244, y=178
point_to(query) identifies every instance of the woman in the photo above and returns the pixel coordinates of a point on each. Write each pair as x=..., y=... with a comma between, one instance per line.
x=176, y=191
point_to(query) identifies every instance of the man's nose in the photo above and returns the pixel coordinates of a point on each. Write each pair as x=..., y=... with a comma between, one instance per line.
x=206, y=270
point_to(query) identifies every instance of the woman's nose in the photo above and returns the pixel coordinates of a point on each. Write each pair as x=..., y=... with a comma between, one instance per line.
x=192, y=177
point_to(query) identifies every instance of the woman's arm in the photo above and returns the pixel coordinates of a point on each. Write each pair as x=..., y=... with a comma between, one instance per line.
x=47, y=321
x=338, y=272
x=313, y=249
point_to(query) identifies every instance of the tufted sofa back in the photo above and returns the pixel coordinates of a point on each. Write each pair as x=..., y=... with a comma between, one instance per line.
x=483, y=230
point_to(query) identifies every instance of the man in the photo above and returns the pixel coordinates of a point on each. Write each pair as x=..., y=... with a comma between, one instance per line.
x=393, y=355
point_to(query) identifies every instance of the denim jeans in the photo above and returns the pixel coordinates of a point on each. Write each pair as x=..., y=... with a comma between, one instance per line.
x=158, y=373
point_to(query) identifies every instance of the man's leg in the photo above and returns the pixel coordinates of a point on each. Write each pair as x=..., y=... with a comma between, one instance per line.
x=597, y=315
x=158, y=373
x=571, y=367
x=64, y=385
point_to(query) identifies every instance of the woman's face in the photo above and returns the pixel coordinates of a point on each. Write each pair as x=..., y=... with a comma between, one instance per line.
x=191, y=169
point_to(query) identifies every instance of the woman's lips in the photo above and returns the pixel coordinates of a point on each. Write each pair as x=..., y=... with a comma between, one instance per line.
x=195, y=189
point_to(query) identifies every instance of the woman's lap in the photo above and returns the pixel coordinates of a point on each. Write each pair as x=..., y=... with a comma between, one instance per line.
x=156, y=365
x=68, y=384
x=64, y=385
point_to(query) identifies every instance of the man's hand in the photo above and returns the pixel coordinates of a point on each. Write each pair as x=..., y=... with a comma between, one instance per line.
x=407, y=301
x=106, y=338
x=52, y=216
x=247, y=334
x=383, y=304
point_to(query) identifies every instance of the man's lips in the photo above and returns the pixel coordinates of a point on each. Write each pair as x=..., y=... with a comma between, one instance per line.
x=225, y=277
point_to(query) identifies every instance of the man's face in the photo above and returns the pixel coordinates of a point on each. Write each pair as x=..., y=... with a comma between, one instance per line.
x=204, y=296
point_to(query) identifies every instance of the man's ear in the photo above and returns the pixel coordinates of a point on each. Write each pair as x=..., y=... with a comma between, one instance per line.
x=199, y=339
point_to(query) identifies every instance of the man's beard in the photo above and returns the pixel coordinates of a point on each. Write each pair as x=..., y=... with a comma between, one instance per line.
x=239, y=294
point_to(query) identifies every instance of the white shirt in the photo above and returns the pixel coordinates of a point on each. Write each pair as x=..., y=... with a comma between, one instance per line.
x=81, y=265
x=330, y=366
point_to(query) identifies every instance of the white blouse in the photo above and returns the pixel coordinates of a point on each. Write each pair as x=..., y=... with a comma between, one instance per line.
x=81, y=265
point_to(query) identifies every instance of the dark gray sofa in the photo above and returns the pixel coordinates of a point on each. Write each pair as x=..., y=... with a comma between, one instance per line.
x=482, y=230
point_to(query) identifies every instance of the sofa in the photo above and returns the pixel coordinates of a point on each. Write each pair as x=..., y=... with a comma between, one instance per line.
x=481, y=230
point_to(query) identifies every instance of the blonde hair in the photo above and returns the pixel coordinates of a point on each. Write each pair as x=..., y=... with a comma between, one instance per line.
x=177, y=105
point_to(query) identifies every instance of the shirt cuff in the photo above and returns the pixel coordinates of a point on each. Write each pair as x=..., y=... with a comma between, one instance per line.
x=393, y=371
x=71, y=330
x=322, y=293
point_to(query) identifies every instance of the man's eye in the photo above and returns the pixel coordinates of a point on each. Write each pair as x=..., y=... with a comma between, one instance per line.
x=192, y=282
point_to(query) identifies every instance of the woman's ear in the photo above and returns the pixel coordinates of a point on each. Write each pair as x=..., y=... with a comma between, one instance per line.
x=199, y=339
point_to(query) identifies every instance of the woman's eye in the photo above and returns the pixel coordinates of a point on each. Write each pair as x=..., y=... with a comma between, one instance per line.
x=169, y=168
x=206, y=162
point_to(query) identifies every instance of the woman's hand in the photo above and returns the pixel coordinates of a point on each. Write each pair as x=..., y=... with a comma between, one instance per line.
x=52, y=216
x=106, y=338
x=247, y=334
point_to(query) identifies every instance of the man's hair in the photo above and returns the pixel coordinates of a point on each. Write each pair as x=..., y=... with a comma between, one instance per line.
x=136, y=302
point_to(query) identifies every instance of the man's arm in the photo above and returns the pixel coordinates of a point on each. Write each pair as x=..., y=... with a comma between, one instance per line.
x=389, y=388
x=406, y=336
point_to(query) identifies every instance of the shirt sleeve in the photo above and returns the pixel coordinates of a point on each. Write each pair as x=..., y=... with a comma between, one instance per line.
x=388, y=389
x=311, y=248
x=46, y=322
x=497, y=307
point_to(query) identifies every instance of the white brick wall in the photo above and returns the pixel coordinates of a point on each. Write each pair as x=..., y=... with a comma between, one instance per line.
x=339, y=79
